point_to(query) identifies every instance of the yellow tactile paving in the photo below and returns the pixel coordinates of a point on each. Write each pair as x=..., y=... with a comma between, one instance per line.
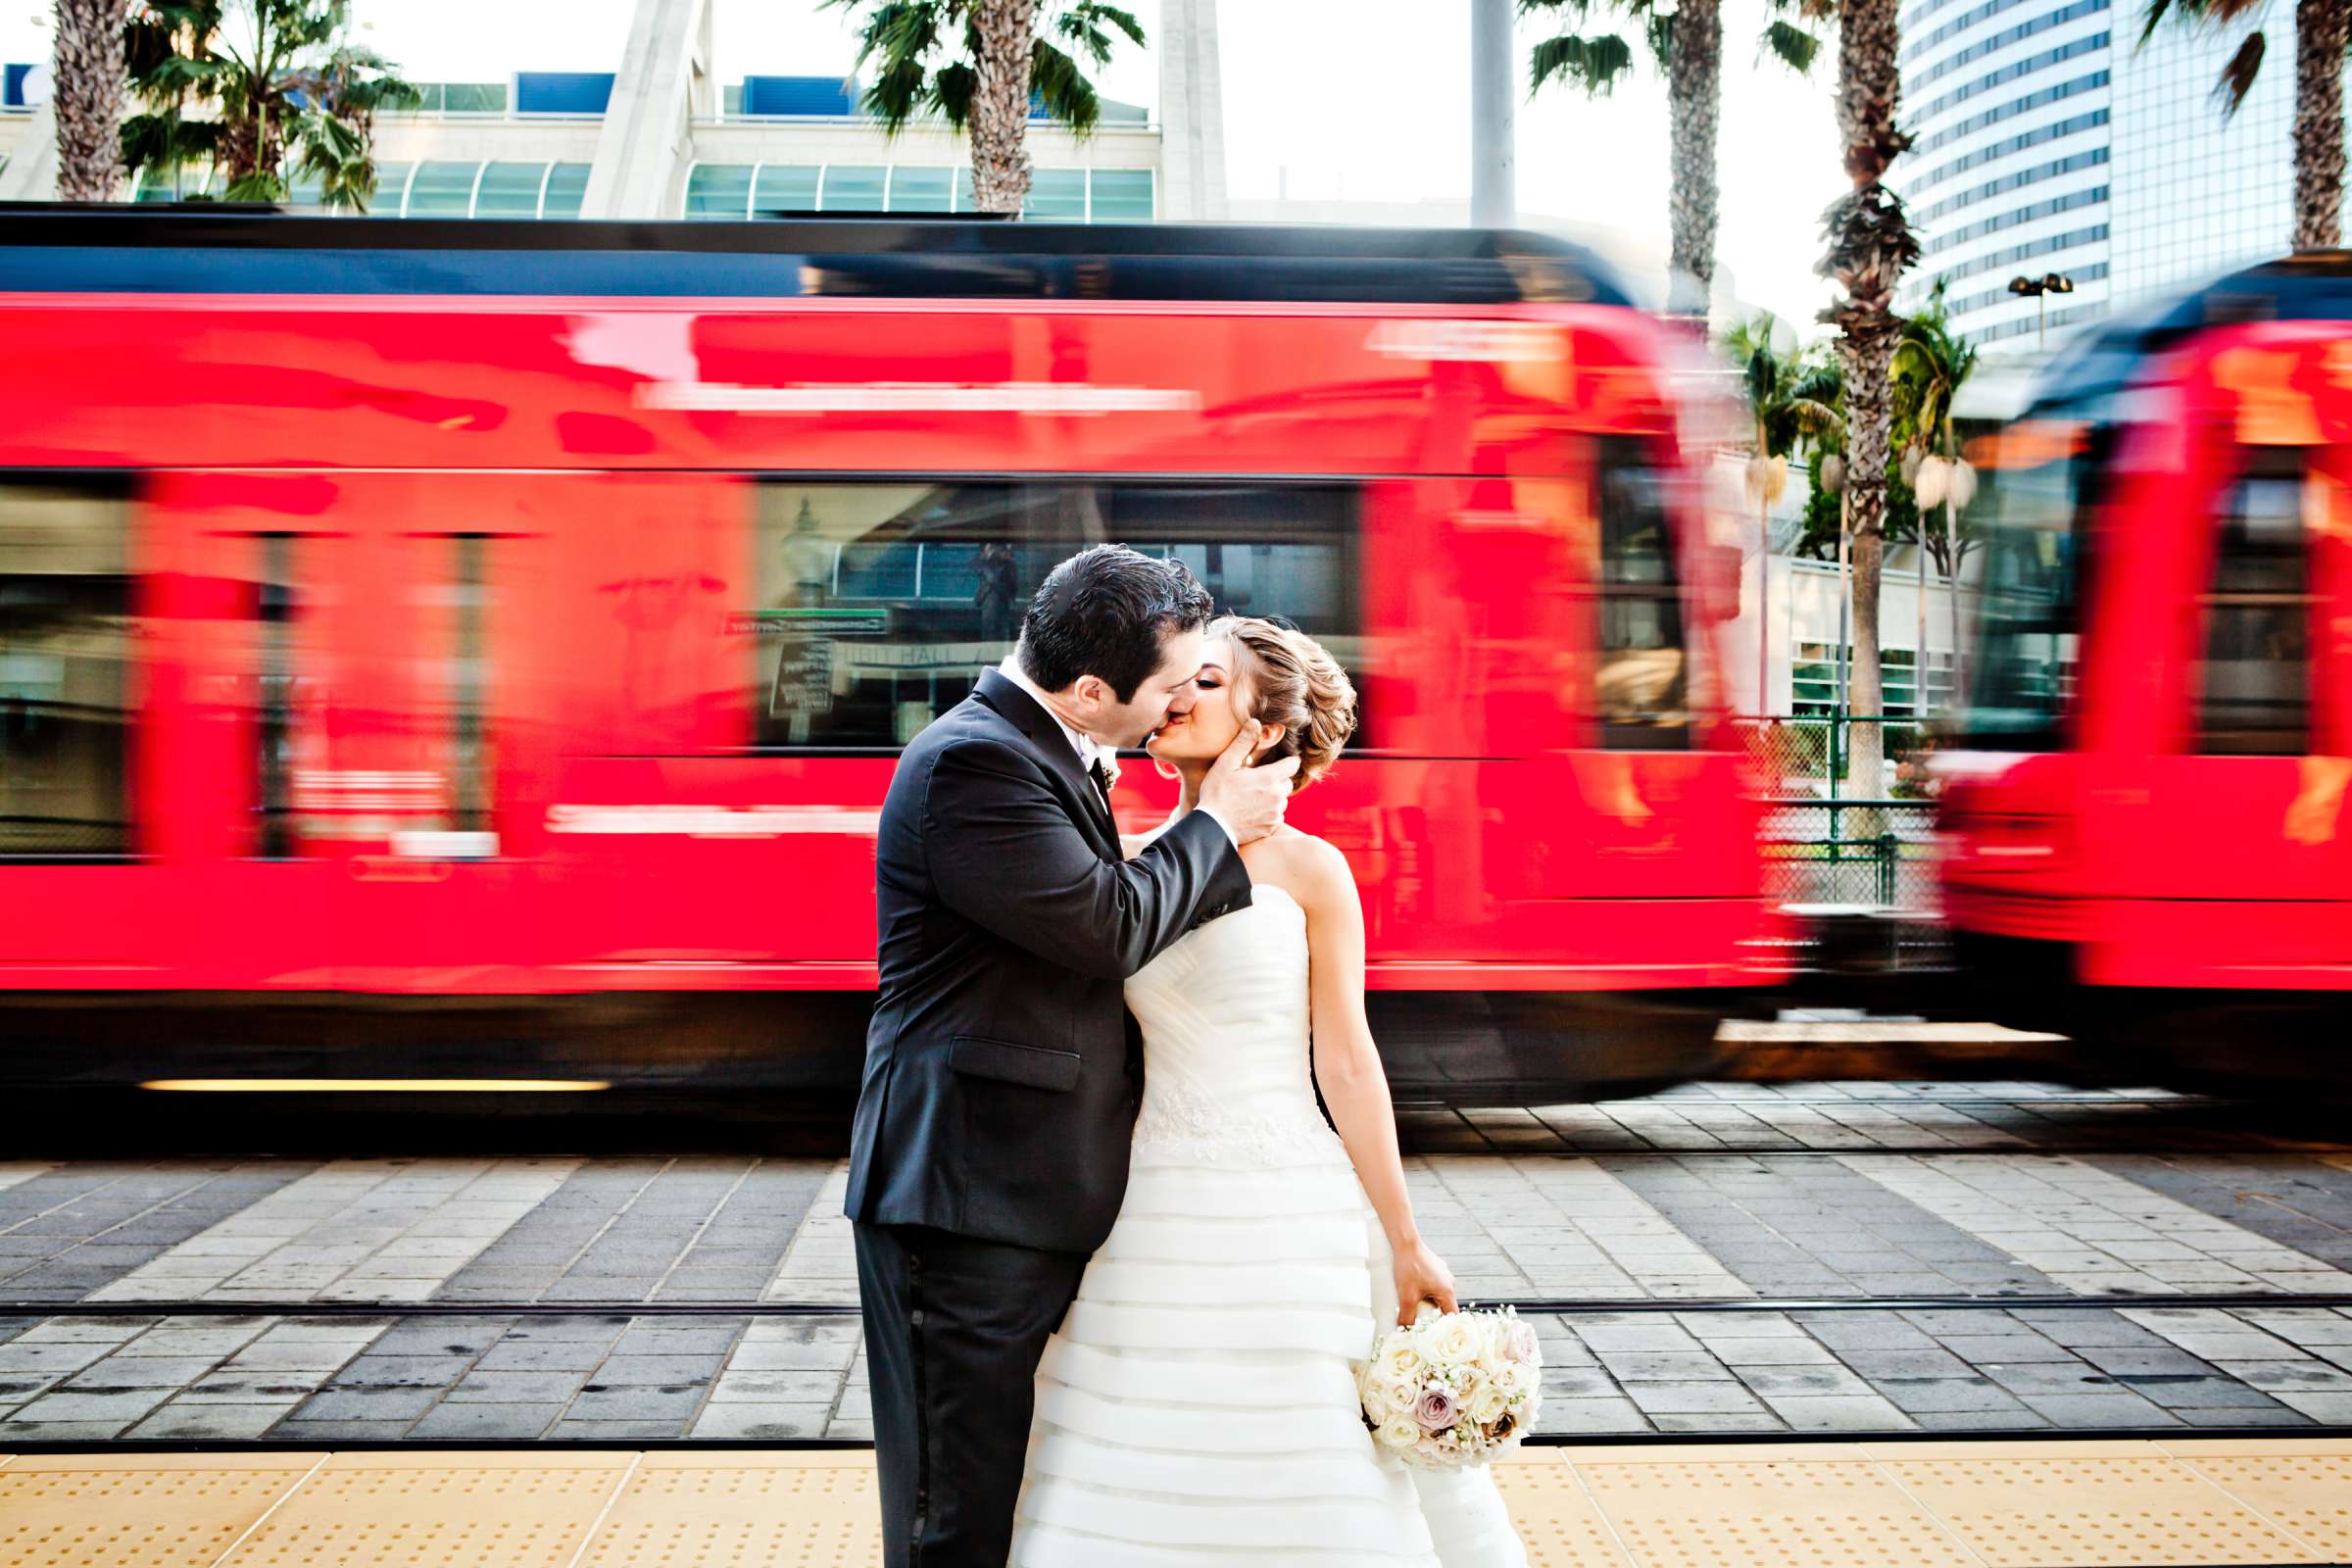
x=100, y=1509
x=2307, y=1493
x=1757, y=1505
x=438, y=1509
x=2027, y=1506
x=743, y=1510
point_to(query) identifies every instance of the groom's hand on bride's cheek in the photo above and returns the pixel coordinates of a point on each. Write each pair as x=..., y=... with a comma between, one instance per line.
x=1248, y=800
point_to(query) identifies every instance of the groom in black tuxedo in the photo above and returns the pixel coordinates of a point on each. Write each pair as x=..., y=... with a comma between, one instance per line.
x=1002, y=1072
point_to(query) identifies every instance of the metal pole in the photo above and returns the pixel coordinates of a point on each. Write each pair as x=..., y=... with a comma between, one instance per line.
x=1492, y=98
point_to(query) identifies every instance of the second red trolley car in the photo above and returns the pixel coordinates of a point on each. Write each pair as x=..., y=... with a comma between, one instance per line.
x=2148, y=842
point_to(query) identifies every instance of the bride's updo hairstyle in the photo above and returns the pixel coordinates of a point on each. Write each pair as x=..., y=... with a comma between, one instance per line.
x=1295, y=683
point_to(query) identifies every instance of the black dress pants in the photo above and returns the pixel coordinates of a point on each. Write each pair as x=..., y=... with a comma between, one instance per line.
x=953, y=1330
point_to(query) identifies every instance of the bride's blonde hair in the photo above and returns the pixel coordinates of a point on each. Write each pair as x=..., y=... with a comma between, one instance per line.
x=1296, y=683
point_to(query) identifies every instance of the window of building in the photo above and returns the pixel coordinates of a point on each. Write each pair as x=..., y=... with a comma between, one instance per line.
x=1121, y=196
x=509, y=190
x=442, y=190
x=853, y=188
x=67, y=641
x=2254, y=692
x=1056, y=193
x=719, y=190
x=567, y=185
x=922, y=190
x=880, y=605
x=785, y=188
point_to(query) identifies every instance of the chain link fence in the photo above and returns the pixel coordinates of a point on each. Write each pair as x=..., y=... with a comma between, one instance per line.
x=1843, y=845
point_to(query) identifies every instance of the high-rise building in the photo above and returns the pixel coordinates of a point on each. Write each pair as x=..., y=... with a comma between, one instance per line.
x=2046, y=140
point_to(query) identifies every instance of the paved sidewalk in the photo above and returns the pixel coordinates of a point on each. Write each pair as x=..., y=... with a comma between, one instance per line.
x=1668, y=1211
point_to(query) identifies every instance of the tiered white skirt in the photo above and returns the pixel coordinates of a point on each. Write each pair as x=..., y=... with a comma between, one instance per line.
x=1199, y=1404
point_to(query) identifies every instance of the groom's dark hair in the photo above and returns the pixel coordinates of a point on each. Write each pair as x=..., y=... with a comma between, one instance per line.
x=1104, y=612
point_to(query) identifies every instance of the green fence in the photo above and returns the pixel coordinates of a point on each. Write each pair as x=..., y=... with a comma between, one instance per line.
x=1834, y=838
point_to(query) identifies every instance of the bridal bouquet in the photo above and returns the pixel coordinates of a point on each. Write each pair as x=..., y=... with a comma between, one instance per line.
x=1456, y=1389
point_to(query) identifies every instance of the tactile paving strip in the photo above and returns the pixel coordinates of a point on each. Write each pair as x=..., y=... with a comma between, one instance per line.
x=98, y=1509
x=2061, y=1505
x=1556, y=1517
x=1782, y=1507
x=2120, y=1507
x=748, y=1510
x=438, y=1510
x=2307, y=1492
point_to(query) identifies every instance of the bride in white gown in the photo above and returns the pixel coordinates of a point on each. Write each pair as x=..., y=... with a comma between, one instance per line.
x=1197, y=1404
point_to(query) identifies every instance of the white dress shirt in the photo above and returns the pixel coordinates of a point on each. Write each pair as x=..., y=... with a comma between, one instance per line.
x=1089, y=749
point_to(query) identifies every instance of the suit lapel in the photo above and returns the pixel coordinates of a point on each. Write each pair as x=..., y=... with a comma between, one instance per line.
x=1052, y=747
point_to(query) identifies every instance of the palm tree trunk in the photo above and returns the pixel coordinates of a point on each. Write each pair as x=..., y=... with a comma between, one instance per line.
x=2320, y=38
x=1870, y=245
x=1694, y=105
x=1008, y=32
x=89, y=94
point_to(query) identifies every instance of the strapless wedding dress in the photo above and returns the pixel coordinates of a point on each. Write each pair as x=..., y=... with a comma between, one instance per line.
x=1198, y=1404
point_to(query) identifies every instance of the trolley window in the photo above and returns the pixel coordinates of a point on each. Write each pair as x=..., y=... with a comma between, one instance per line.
x=2045, y=475
x=2254, y=685
x=881, y=604
x=1644, y=683
x=65, y=649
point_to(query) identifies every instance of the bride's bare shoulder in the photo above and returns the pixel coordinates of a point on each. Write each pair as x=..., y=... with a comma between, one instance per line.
x=1310, y=869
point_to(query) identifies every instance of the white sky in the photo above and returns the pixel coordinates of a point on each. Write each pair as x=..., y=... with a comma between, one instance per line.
x=1362, y=99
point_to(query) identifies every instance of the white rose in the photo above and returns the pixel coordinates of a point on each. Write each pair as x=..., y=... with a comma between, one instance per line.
x=1376, y=1404
x=1452, y=1340
x=1485, y=1404
x=1404, y=1393
x=1513, y=1379
x=1399, y=1361
x=1400, y=1432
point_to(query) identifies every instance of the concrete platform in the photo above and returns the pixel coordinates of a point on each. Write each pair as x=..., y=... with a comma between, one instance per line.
x=1823, y=1505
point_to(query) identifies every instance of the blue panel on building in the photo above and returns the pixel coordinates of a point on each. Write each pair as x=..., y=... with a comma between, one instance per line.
x=563, y=92
x=13, y=93
x=800, y=95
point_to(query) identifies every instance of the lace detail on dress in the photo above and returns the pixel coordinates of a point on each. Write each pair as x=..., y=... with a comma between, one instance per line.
x=1181, y=1124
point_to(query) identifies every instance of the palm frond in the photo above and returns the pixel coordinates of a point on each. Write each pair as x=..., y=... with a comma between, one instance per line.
x=262, y=186
x=1594, y=64
x=1658, y=33
x=1067, y=94
x=952, y=90
x=1789, y=44
x=899, y=92
x=2237, y=76
x=1096, y=16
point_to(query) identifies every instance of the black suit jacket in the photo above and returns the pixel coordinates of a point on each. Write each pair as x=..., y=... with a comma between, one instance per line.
x=1003, y=1070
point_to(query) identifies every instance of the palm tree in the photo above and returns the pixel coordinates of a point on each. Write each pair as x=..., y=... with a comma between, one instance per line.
x=1930, y=365
x=2323, y=31
x=979, y=63
x=1792, y=404
x=287, y=95
x=88, y=99
x=1686, y=42
x=1870, y=244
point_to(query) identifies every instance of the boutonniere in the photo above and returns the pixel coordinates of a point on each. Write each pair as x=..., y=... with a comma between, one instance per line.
x=1111, y=766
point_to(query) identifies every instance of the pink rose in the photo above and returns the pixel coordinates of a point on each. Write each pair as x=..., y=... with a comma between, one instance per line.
x=1437, y=1410
x=1520, y=1343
